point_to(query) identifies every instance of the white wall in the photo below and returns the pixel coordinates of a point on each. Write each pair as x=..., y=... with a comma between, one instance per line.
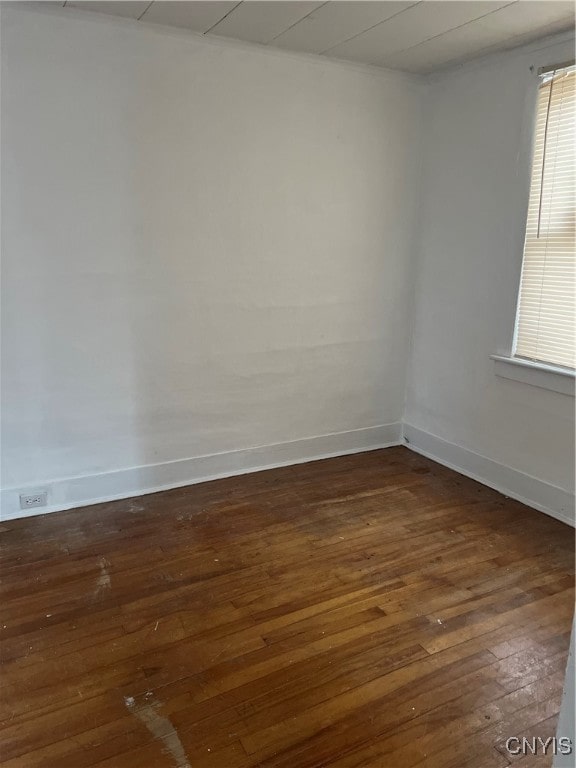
x=474, y=196
x=207, y=251
x=206, y=247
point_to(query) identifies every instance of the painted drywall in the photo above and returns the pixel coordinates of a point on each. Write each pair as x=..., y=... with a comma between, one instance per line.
x=206, y=247
x=474, y=196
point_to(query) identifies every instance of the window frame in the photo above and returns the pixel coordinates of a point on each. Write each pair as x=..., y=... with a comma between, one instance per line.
x=506, y=364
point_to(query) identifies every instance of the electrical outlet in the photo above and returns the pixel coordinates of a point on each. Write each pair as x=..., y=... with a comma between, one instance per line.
x=29, y=500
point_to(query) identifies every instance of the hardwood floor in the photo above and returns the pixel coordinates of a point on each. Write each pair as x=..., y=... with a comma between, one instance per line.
x=370, y=610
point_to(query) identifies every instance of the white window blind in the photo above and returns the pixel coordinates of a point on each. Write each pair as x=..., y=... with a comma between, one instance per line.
x=545, y=319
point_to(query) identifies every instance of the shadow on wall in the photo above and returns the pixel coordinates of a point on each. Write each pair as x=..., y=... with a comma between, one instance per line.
x=206, y=249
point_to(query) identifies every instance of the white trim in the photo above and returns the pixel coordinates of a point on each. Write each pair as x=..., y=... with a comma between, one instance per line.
x=525, y=166
x=534, y=373
x=69, y=493
x=544, y=497
x=536, y=55
x=83, y=491
x=567, y=720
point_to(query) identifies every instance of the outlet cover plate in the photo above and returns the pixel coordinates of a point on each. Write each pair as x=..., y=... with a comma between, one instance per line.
x=29, y=500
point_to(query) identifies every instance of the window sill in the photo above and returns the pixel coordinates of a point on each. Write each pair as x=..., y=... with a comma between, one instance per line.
x=537, y=374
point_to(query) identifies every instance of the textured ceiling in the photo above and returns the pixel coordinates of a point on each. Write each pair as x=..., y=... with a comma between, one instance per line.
x=411, y=36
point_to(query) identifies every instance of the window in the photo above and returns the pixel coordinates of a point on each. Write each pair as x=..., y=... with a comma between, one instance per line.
x=545, y=327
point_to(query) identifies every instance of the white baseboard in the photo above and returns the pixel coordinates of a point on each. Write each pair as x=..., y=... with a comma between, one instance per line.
x=535, y=493
x=137, y=481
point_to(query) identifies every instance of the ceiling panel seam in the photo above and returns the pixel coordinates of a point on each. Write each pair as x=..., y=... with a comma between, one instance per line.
x=223, y=17
x=150, y=4
x=452, y=29
x=378, y=23
x=298, y=22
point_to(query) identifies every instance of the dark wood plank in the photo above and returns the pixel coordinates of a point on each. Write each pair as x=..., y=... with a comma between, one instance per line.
x=369, y=610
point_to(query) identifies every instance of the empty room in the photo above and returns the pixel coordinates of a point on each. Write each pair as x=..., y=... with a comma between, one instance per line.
x=287, y=384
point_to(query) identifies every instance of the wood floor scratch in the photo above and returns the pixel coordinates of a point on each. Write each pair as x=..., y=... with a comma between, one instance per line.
x=104, y=582
x=160, y=727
